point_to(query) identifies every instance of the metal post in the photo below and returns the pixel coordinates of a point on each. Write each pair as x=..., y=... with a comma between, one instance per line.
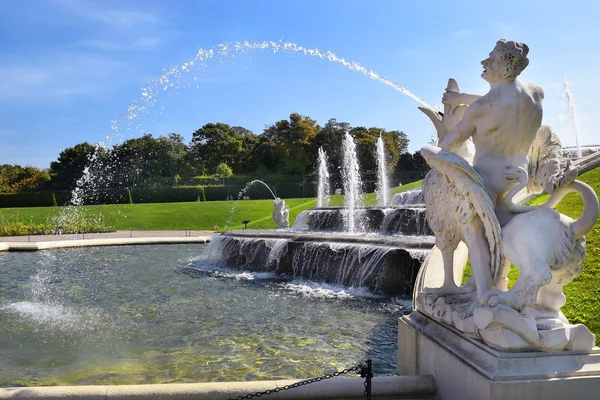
x=367, y=372
x=130, y=232
x=369, y=376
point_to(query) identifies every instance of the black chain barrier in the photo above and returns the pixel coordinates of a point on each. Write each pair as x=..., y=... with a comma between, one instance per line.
x=365, y=370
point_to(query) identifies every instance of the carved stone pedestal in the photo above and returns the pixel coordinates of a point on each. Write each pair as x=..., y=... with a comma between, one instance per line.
x=465, y=368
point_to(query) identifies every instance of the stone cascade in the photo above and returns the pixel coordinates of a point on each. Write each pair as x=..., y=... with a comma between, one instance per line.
x=380, y=264
x=395, y=221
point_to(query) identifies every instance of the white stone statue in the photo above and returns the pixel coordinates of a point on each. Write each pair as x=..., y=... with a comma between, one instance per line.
x=473, y=203
x=281, y=214
x=450, y=227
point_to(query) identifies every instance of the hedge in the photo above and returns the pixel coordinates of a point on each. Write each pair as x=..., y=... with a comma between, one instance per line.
x=283, y=188
x=158, y=195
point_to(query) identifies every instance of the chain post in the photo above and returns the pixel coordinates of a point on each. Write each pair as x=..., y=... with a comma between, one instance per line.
x=367, y=372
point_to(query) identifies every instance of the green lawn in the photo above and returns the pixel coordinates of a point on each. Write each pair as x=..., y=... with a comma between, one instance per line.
x=179, y=216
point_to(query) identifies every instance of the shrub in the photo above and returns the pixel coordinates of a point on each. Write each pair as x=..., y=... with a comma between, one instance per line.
x=224, y=170
x=76, y=220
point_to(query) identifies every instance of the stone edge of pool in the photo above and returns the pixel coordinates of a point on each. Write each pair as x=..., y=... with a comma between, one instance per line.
x=62, y=244
x=388, y=387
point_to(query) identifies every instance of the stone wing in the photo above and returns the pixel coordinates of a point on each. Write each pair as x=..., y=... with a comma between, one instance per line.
x=469, y=186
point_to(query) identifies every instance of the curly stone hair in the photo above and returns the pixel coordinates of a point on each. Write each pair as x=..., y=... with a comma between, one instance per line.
x=515, y=56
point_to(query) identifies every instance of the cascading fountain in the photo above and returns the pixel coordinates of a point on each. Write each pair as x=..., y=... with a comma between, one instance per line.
x=323, y=189
x=382, y=182
x=323, y=246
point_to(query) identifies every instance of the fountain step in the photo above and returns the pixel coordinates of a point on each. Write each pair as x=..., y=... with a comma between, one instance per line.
x=406, y=220
x=383, y=265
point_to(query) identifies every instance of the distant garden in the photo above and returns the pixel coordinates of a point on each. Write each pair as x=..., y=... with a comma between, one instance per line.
x=216, y=165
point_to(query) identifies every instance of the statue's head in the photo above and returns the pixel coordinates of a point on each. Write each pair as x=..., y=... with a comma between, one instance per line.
x=506, y=61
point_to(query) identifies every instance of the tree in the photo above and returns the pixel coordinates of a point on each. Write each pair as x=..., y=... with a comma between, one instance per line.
x=143, y=158
x=70, y=165
x=395, y=143
x=224, y=171
x=15, y=178
x=330, y=138
x=405, y=163
x=366, y=147
x=287, y=145
x=246, y=162
x=216, y=143
x=419, y=162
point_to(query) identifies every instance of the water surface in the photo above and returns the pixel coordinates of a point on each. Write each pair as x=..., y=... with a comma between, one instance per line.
x=161, y=314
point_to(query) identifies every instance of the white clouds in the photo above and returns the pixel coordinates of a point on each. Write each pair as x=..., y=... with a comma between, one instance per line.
x=93, y=59
x=463, y=33
x=141, y=44
x=114, y=18
x=64, y=76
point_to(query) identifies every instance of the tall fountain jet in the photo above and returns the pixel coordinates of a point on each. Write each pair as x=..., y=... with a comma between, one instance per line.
x=382, y=182
x=571, y=106
x=352, y=184
x=323, y=190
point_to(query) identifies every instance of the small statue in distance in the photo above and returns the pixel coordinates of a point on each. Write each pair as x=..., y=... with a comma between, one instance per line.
x=281, y=214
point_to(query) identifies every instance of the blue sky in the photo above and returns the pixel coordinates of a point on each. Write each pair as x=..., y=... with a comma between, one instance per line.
x=71, y=69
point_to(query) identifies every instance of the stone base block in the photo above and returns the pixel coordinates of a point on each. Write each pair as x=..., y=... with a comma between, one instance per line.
x=465, y=368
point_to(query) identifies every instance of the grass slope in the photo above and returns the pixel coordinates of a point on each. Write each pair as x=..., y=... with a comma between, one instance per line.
x=179, y=216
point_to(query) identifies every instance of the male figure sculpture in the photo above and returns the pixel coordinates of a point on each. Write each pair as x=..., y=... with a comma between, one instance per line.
x=473, y=203
x=503, y=124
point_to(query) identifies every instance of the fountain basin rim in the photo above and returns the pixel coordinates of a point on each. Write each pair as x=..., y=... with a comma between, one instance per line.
x=344, y=387
x=62, y=244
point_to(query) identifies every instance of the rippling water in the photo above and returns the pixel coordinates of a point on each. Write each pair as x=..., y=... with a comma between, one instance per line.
x=160, y=314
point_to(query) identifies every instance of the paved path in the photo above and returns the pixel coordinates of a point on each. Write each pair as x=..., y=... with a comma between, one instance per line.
x=108, y=235
x=46, y=242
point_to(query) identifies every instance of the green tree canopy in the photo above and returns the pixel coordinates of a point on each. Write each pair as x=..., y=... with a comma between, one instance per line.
x=217, y=143
x=71, y=162
x=287, y=145
x=15, y=178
